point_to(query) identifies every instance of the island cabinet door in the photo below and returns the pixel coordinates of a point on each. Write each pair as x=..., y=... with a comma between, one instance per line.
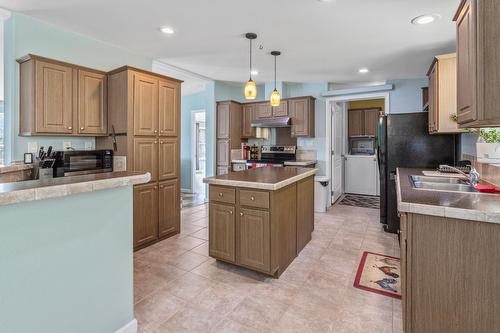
x=145, y=214
x=254, y=239
x=221, y=237
x=169, y=207
x=168, y=159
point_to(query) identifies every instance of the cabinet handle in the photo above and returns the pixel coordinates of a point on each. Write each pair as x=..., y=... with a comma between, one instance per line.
x=82, y=128
x=252, y=198
x=70, y=128
x=241, y=214
x=220, y=194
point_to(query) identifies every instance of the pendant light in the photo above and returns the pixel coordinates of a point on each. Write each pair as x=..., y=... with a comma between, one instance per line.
x=250, y=87
x=275, y=95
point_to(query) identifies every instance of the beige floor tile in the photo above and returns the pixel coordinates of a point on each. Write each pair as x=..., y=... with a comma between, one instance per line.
x=191, y=320
x=202, y=249
x=188, y=228
x=186, y=243
x=156, y=309
x=202, y=234
x=219, y=297
x=258, y=313
x=189, y=286
x=231, y=326
x=295, y=321
x=188, y=261
x=154, y=278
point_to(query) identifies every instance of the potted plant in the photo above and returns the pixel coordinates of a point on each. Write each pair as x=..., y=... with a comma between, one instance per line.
x=488, y=146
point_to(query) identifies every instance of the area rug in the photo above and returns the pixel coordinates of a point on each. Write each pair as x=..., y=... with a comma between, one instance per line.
x=357, y=200
x=379, y=274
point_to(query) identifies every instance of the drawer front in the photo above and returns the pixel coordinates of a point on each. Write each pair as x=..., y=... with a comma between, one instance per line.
x=222, y=194
x=254, y=199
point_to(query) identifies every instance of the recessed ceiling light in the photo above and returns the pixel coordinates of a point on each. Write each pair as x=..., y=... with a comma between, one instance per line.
x=363, y=70
x=425, y=19
x=167, y=30
x=255, y=72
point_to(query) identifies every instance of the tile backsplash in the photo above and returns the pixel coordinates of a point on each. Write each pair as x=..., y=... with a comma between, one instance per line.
x=489, y=172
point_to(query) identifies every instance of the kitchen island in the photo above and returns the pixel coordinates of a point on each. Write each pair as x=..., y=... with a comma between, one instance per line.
x=261, y=218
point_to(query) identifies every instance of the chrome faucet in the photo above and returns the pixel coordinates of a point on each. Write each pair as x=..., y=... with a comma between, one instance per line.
x=473, y=176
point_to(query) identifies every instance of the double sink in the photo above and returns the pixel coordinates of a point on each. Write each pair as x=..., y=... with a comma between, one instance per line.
x=450, y=184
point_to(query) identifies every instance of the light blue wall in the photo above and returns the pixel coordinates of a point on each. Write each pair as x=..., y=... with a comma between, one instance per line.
x=406, y=97
x=67, y=264
x=225, y=91
x=24, y=35
x=200, y=101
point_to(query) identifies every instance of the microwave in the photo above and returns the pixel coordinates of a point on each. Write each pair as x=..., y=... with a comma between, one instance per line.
x=82, y=162
x=362, y=145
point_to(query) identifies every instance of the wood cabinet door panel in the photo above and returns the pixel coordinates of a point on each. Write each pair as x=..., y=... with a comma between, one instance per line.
x=146, y=156
x=169, y=208
x=54, y=98
x=92, y=103
x=248, y=116
x=221, y=229
x=299, y=112
x=145, y=105
x=371, y=122
x=223, y=121
x=433, y=99
x=145, y=214
x=356, y=121
x=254, y=239
x=466, y=66
x=169, y=103
x=168, y=159
x=223, y=152
x=264, y=110
x=282, y=110
x=305, y=212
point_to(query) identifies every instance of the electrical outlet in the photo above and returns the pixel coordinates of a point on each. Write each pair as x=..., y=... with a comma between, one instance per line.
x=119, y=163
x=33, y=147
x=66, y=145
x=89, y=145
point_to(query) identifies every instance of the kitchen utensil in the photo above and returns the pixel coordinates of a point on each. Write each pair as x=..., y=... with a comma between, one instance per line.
x=49, y=151
x=113, y=138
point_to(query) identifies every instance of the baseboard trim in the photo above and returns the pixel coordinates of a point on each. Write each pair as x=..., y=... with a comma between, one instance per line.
x=131, y=327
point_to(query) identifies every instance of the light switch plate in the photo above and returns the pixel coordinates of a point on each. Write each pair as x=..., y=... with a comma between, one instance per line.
x=33, y=147
x=66, y=145
x=89, y=145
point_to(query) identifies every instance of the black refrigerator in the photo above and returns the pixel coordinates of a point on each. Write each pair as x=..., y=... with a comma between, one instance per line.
x=404, y=142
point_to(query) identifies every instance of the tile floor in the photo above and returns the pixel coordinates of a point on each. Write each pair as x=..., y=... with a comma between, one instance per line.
x=178, y=288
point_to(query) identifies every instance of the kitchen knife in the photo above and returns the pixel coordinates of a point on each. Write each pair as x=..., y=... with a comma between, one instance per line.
x=49, y=151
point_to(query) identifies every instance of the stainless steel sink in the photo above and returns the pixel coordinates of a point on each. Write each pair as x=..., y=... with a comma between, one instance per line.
x=448, y=184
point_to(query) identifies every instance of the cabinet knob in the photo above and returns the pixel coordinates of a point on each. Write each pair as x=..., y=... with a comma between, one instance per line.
x=231, y=212
x=155, y=187
x=155, y=142
x=70, y=128
x=220, y=194
x=161, y=131
x=241, y=214
x=161, y=142
x=252, y=198
x=156, y=131
x=82, y=128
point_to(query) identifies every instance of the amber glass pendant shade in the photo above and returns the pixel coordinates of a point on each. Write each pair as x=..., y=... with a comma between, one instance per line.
x=250, y=90
x=275, y=98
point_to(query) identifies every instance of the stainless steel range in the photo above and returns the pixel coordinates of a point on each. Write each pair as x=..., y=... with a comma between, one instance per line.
x=273, y=156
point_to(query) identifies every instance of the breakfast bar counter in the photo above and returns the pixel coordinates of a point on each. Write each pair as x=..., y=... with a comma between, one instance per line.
x=261, y=218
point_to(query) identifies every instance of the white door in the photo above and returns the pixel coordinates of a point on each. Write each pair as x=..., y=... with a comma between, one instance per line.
x=337, y=143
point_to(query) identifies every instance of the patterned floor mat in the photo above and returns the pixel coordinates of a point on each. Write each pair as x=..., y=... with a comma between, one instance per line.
x=357, y=200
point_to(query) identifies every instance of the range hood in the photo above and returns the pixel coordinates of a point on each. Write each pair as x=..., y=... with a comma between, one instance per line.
x=272, y=123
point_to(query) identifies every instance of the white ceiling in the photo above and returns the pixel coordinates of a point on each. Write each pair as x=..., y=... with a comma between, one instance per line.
x=319, y=41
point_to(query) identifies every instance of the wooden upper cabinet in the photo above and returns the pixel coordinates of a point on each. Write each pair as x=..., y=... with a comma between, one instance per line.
x=168, y=208
x=221, y=239
x=145, y=105
x=247, y=130
x=301, y=110
x=264, y=110
x=223, y=120
x=53, y=98
x=145, y=214
x=223, y=152
x=433, y=97
x=92, y=103
x=254, y=239
x=281, y=110
x=168, y=97
x=478, y=63
x=356, y=122
x=371, y=121
x=146, y=156
x=167, y=158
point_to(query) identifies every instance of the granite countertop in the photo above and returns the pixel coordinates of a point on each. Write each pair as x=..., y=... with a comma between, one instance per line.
x=475, y=206
x=31, y=190
x=300, y=163
x=15, y=167
x=262, y=178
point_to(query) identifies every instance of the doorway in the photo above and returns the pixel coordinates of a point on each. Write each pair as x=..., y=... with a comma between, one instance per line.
x=198, y=160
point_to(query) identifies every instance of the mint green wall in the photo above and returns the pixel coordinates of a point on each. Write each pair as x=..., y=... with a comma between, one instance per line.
x=225, y=91
x=67, y=264
x=23, y=35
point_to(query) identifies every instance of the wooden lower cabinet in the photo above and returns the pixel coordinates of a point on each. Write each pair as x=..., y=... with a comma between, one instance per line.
x=255, y=238
x=168, y=208
x=145, y=214
x=305, y=212
x=449, y=274
x=221, y=232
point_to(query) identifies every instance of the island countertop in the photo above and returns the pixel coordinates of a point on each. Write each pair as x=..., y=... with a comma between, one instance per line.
x=262, y=178
x=474, y=206
x=31, y=190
